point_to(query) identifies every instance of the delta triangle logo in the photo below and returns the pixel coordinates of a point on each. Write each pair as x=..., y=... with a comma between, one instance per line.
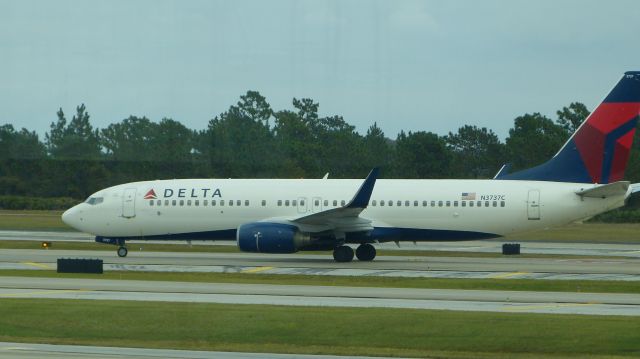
x=150, y=195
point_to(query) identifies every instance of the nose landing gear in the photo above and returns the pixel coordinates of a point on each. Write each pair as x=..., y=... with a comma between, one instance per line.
x=122, y=251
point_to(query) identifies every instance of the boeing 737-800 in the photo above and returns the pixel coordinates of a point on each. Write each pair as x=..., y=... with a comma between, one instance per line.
x=288, y=215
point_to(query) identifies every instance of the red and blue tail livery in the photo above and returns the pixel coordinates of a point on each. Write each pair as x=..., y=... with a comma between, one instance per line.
x=599, y=150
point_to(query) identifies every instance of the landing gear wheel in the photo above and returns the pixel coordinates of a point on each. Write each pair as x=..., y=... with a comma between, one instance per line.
x=366, y=252
x=122, y=252
x=343, y=254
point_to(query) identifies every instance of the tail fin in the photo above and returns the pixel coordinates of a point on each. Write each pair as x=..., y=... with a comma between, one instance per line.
x=599, y=149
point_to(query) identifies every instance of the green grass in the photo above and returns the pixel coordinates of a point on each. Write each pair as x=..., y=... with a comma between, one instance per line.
x=353, y=281
x=586, y=232
x=32, y=221
x=316, y=330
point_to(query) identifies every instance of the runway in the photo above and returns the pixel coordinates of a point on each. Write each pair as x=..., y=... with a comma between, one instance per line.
x=326, y=296
x=481, y=246
x=511, y=267
x=38, y=351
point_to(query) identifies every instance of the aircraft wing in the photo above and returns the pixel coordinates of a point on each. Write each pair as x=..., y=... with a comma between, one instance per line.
x=606, y=190
x=347, y=218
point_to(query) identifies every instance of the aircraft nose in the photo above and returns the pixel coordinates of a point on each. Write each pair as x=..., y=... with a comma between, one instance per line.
x=72, y=217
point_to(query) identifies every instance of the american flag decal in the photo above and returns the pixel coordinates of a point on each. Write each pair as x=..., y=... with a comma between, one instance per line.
x=468, y=196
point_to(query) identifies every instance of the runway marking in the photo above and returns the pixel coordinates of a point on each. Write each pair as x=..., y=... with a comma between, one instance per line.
x=545, y=306
x=20, y=295
x=256, y=270
x=507, y=275
x=39, y=265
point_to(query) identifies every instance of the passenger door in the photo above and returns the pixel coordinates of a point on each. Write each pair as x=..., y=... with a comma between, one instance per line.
x=533, y=204
x=129, y=203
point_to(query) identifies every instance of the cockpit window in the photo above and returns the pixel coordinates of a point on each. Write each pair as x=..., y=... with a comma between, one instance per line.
x=94, y=200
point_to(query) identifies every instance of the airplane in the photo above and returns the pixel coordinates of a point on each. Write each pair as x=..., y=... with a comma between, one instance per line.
x=583, y=179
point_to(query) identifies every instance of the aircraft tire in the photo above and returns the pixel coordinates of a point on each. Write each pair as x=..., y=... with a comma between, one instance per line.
x=366, y=252
x=343, y=254
x=122, y=252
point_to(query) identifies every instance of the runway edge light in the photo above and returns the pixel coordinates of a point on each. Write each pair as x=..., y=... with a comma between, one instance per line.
x=46, y=245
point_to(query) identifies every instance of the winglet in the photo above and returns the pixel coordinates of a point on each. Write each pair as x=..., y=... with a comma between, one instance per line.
x=361, y=199
x=504, y=170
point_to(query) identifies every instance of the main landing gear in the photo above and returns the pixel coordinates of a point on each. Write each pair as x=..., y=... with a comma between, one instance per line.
x=365, y=252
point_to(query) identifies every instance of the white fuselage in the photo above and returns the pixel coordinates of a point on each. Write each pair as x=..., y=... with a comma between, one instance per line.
x=183, y=206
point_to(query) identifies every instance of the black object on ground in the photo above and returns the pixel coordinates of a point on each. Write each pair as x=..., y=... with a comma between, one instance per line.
x=511, y=248
x=79, y=265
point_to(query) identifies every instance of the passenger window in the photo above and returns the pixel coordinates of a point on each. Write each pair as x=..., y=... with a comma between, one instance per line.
x=470, y=203
x=238, y=203
x=439, y=203
x=204, y=203
x=463, y=203
x=424, y=203
x=399, y=203
x=448, y=203
x=342, y=203
x=188, y=202
x=406, y=203
x=286, y=203
x=415, y=203
x=279, y=203
x=222, y=203
x=326, y=203
x=486, y=203
x=264, y=203
x=151, y=203
x=335, y=203
x=294, y=203
x=246, y=202
x=181, y=202
x=433, y=203
x=381, y=203
x=197, y=202
x=213, y=203
x=230, y=203
x=390, y=203
x=373, y=203
x=166, y=202
x=173, y=203
x=316, y=203
x=479, y=204
x=455, y=203
x=501, y=203
x=495, y=203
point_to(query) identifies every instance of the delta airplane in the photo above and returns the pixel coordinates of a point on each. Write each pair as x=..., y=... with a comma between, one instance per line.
x=288, y=215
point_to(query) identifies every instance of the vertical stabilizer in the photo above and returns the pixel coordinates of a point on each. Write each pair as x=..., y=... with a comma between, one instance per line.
x=599, y=149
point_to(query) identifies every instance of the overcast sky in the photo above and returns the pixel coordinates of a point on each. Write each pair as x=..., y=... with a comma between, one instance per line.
x=412, y=65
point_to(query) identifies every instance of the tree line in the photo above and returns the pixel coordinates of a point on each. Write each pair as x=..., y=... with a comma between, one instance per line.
x=252, y=140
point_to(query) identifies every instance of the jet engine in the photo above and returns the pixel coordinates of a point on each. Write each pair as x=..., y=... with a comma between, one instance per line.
x=265, y=237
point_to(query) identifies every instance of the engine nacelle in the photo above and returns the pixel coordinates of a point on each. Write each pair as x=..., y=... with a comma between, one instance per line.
x=265, y=237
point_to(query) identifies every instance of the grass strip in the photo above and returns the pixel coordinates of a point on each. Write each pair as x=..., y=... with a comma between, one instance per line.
x=32, y=221
x=585, y=286
x=316, y=330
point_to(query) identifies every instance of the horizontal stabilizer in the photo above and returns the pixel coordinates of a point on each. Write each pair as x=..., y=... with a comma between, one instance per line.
x=606, y=190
